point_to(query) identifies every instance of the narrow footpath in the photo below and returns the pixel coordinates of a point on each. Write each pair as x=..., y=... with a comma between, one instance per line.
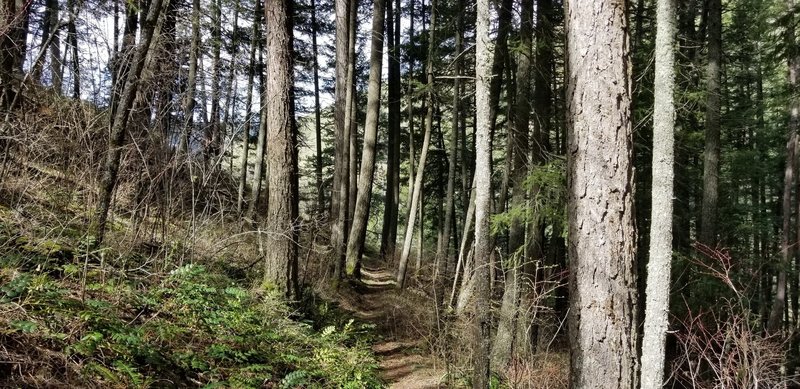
x=402, y=351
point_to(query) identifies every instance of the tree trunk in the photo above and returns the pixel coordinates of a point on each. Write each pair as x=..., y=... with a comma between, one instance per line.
x=317, y=111
x=282, y=211
x=656, y=319
x=248, y=122
x=72, y=39
x=602, y=276
x=416, y=196
x=119, y=125
x=341, y=181
x=443, y=251
x=708, y=223
x=261, y=146
x=506, y=344
x=390, y=204
x=213, y=139
x=775, y=322
x=483, y=197
x=355, y=242
x=191, y=87
x=14, y=15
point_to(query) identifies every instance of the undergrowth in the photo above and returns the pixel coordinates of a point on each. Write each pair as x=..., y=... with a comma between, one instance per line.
x=69, y=318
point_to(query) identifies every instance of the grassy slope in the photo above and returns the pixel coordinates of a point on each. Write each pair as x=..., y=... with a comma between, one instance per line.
x=140, y=315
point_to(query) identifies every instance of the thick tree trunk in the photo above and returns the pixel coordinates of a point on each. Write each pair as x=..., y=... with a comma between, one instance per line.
x=708, y=221
x=355, y=242
x=14, y=17
x=602, y=276
x=281, y=258
x=656, y=319
x=119, y=125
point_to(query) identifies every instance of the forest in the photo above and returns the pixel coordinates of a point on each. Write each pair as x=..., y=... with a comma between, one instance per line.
x=399, y=193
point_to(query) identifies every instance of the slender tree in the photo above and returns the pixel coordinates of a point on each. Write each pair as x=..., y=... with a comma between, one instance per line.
x=602, y=250
x=392, y=198
x=191, y=83
x=249, y=106
x=516, y=283
x=317, y=109
x=483, y=197
x=416, y=195
x=339, y=194
x=656, y=318
x=708, y=221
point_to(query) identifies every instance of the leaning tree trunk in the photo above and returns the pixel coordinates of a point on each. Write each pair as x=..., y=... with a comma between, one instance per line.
x=602, y=250
x=119, y=124
x=282, y=211
x=355, y=242
x=416, y=195
x=656, y=318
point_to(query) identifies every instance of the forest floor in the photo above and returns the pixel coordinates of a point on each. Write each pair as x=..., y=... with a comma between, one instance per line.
x=401, y=348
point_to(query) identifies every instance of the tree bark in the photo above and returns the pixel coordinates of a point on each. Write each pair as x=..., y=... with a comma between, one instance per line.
x=355, y=242
x=656, y=317
x=602, y=249
x=483, y=197
x=708, y=221
x=282, y=211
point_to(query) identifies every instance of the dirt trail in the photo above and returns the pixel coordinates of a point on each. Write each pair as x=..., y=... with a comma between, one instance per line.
x=402, y=353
